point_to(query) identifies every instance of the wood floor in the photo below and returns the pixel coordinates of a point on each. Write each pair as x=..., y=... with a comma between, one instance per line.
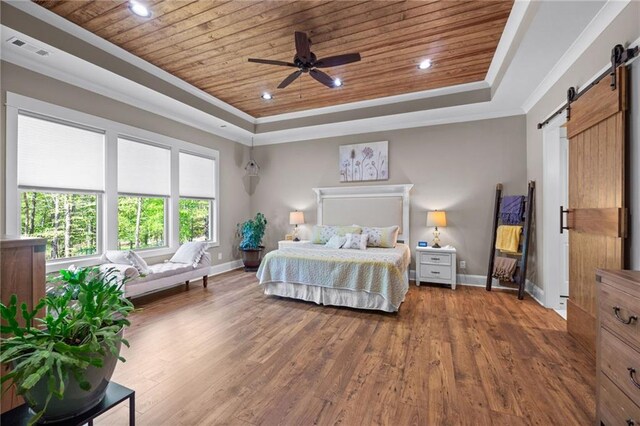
x=230, y=355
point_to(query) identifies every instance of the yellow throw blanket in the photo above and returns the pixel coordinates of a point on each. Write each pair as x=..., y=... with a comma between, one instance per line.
x=508, y=238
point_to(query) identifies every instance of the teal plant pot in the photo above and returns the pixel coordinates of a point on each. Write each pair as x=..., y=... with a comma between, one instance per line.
x=75, y=400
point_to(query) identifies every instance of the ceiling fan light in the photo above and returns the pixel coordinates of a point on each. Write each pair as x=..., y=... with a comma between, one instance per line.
x=266, y=96
x=337, y=82
x=139, y=9
x=425, y=64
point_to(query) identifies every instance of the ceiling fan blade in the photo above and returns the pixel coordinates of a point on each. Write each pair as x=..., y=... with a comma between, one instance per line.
x=270, y=62
x=287, y=81
x=322, y=78
x=303, y=47
x=334, y=61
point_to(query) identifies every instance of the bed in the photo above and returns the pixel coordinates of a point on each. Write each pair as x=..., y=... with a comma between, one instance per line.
x=375, y=278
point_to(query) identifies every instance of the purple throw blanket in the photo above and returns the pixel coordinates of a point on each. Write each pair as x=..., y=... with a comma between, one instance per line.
x=512, y=209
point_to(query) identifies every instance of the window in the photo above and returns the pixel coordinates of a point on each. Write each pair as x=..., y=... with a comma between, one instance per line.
x=195, y=219
x=60, y=176
x=144, y=184
x=141, y=222
x=87, y=184
x=68, y=221
x=197, y=197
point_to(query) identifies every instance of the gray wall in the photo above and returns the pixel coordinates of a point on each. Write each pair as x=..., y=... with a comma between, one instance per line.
x=234, y=189
x=454, y=167
x=624, y=29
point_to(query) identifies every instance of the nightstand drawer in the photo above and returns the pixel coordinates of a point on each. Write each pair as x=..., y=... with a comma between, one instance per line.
x=435, y=259
x=435, y=271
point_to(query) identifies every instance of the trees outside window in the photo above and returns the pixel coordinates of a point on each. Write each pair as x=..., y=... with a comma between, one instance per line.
x=141, y=222
x=68, y=221
x=195, y=220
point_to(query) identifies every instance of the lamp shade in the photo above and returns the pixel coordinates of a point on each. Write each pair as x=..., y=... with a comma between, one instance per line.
x=437, y=218
x=296, y=218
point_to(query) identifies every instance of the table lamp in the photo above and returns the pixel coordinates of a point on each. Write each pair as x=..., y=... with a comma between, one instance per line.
x=436, y=218
x=296, y=218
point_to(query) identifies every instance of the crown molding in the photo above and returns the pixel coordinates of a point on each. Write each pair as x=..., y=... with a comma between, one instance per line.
x=598, y=24
x=75, y=71
x=521, y=10
x=387, y=100
x=458, y=114
x=77, y=31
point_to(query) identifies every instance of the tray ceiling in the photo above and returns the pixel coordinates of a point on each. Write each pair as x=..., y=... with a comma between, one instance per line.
x=207, y=44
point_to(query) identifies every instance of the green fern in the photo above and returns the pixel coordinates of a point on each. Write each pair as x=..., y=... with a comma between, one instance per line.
x=81, y=316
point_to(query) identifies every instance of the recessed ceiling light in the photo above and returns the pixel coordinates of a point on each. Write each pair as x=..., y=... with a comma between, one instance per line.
x=267, y=96
x=425, y=64
x=337, y=82
x=139, y=9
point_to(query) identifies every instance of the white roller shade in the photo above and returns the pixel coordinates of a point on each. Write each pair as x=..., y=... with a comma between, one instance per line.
x=197, y=176
x=143, y=169
x=59, y=156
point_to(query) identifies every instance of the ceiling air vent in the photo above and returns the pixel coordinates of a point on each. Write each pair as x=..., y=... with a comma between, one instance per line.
x=28, y=46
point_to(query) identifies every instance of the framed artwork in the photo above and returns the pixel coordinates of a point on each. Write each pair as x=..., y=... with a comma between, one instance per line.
x=364, y=161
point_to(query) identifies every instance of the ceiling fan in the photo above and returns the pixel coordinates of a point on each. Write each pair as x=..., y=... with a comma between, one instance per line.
x=307, y=62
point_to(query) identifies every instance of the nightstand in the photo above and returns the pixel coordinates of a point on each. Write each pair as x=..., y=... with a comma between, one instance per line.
x=436, y=265
x=288, y=243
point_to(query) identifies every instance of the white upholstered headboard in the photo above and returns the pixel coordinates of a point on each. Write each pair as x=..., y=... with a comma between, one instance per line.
x=372, y=205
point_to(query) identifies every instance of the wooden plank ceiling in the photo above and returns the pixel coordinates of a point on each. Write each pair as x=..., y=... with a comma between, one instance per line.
x=207, y=43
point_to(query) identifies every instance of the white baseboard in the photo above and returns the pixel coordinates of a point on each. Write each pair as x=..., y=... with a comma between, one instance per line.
x=225, y=267
x=481, y=281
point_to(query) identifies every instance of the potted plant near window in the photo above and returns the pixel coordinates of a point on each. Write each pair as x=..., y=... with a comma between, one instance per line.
x=62, y=359
x=252, y=232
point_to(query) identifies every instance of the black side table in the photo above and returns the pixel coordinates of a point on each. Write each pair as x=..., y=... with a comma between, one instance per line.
x=116, y=393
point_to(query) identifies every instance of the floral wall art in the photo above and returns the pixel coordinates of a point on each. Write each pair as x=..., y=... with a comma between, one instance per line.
x=364, y=161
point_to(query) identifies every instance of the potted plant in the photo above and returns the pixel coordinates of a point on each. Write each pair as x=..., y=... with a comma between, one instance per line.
x=63, y=352
x=252, y=232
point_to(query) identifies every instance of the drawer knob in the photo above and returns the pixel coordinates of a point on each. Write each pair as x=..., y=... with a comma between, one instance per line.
x=632, y=375
x=632, y=318
x=435, y=272
x=435, y=258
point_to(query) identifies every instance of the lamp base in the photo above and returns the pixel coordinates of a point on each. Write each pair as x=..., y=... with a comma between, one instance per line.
x=436, y=238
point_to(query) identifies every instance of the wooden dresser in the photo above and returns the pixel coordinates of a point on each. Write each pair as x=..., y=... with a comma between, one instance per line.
x=22, y=272
x=618, y=348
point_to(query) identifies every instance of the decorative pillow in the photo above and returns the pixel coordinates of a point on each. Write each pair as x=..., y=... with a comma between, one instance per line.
x=382, y=237
x=120, y=257
x=190, y=253
x=139, y=263
x=356, y=241
x=322, y=233
x=336, y=242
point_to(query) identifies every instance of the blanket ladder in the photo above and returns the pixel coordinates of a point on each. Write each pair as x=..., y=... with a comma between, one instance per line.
x=523, y=252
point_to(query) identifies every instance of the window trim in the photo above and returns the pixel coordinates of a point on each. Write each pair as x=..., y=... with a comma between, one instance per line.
x=107, y=226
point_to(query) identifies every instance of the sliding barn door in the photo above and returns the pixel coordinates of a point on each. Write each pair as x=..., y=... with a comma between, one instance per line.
x=597, y=214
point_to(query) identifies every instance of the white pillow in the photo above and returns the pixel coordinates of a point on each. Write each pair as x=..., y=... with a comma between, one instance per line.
x=139, y=263
x=121, y=257
x=190, y=253
x=336, y=242
x=356, y=241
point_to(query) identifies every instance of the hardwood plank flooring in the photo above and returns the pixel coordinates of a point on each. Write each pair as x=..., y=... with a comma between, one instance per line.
x=228, y=355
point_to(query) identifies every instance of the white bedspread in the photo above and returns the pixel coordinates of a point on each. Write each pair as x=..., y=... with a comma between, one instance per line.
x=381, y=271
